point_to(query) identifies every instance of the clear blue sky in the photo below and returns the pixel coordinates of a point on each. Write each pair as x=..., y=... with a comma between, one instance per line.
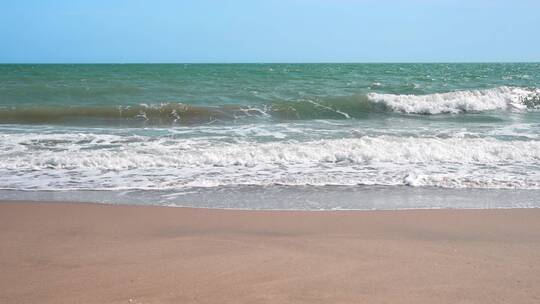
x=269, y=31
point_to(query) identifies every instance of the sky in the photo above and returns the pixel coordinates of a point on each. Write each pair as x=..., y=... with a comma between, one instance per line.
x=133, y=31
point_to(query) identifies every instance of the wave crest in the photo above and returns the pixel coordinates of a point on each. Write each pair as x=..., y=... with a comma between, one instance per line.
x=501, y=98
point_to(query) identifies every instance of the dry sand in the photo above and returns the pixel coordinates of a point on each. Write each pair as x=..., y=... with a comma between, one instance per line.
x=84, y=253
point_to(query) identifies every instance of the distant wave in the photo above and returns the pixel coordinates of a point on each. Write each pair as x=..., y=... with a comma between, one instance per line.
x=337, y=107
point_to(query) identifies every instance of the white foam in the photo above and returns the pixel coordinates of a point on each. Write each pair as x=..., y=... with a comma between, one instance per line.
x=113, y=162
x=501, y=98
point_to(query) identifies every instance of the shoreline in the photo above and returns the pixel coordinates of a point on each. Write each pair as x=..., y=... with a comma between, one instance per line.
x=405, y=209
x=104, y=253
x=314, y=198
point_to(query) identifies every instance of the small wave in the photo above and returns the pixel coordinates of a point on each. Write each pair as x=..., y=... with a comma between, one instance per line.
x=501, y=98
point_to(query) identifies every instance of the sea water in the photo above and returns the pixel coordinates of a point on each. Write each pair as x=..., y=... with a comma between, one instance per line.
x=273, y=136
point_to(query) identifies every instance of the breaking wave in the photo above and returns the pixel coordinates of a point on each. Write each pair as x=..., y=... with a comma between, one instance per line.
x=501, y=98
x=338, y=107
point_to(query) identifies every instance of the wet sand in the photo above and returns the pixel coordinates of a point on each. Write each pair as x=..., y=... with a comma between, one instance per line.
x=89, y=253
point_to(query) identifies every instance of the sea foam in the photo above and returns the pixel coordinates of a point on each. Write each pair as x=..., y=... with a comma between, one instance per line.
x=111, y=162
x=500, y=98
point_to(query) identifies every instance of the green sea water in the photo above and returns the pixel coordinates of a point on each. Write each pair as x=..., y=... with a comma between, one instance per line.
x=60, y=93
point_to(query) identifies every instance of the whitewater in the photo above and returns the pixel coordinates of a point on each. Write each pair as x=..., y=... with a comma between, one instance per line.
x=317, y=136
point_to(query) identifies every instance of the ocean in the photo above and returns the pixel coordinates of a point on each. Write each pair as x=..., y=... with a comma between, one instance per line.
x=273, y=136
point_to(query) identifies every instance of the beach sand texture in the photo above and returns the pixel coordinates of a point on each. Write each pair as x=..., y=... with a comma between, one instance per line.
x=89, y=253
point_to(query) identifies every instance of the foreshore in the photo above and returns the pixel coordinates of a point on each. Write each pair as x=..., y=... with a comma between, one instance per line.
x=92, y=253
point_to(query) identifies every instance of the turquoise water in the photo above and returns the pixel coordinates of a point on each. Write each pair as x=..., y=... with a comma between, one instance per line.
x=176, y=128
x=75, y=93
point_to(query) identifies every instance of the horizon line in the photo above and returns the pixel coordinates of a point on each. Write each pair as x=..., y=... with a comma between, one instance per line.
x=274, y=62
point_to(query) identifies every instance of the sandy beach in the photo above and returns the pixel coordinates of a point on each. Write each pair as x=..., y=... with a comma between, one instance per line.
x=86, y=253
